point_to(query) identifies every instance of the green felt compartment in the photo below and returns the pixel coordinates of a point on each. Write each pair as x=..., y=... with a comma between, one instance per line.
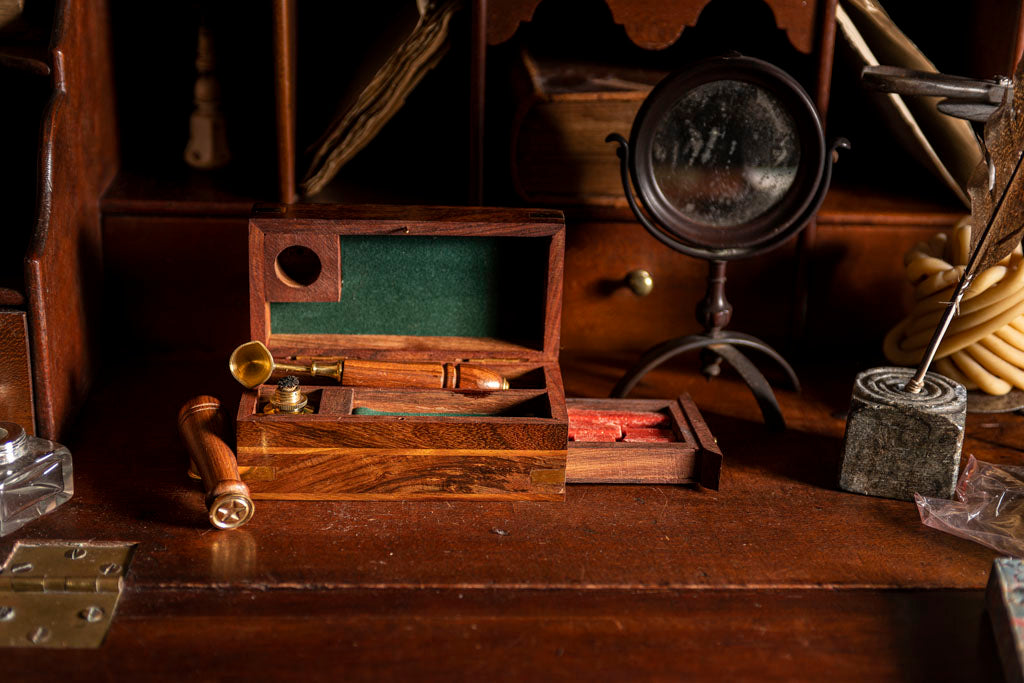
x=371, y=411
x=431, y=286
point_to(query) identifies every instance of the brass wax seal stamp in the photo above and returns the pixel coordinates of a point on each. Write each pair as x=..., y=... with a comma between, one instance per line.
x=288, y=398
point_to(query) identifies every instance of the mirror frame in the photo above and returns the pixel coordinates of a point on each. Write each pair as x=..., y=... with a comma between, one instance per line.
x=766, y=230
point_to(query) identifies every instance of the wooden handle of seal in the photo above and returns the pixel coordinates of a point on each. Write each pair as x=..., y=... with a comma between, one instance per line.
x=202, y=426
x=402, y=374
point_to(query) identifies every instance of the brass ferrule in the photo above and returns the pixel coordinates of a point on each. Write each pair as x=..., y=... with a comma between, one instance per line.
x=326, y=369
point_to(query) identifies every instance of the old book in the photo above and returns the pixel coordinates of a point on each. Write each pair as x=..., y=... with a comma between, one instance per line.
x=565, y=111
x=371, y=101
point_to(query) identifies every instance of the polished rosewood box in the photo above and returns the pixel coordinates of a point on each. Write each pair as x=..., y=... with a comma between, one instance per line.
x=397, y=283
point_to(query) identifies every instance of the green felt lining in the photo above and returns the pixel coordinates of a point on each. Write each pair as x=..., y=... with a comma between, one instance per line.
x=431, y=286
x=371, y=411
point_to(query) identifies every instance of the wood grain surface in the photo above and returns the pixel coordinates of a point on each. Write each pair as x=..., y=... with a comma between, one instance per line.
x=789, y=477
x=776, y=576
x=510, y=403
x=499, y=635
x=467, y=376
x=78, y=159
x=679, y=462
x=310, y=474
x=515, y=454
x=16, y=371
x=274, y=225
x=602, y=313
x=631, y=463
x=285, y=78
x=389, y=431
x=202, y=425
x=855, y=283
x=656, y=24
x=378, y=219
x=398, y=346
x=277, y=283
x=158, y=304
x=153, y=302
x=327, y=456
x=786, y=478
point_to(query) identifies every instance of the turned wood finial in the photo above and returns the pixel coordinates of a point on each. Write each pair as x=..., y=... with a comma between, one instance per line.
x=207, y=146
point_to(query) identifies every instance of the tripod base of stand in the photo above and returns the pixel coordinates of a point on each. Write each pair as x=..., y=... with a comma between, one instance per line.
x=721, y=347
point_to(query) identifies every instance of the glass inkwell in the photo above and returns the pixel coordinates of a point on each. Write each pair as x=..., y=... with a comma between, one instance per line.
x=35, y=477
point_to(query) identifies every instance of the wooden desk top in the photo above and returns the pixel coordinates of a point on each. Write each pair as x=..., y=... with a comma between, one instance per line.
x=777, y=576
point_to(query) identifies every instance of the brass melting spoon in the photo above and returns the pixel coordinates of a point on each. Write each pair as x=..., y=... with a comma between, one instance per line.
x=252, y=365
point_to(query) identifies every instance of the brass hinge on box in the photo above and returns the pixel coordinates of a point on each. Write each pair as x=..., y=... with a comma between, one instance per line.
x=61, y=595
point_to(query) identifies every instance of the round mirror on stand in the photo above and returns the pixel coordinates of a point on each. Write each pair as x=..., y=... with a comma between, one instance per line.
x=728, y=158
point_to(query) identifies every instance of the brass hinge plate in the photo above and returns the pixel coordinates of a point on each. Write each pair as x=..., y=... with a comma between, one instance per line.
x=61, y=595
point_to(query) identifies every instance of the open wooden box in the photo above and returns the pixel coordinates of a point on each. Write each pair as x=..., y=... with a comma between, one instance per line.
x=399, y=283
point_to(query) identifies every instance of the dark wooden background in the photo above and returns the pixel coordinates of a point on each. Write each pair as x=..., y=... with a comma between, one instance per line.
x=135, y=291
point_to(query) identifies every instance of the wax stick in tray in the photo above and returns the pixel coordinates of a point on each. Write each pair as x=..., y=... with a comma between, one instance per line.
x=615, y=425
x=647, y=435
x=624, y=417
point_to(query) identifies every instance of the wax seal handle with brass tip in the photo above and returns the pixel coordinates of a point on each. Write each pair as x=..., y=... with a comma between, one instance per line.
x=288, y=399
x=202, y=426
x=252, y=365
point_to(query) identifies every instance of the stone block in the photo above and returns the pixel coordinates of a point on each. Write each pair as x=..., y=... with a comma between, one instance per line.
x=898, y=443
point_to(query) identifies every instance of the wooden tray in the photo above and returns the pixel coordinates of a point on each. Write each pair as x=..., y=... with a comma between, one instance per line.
x=694, y=458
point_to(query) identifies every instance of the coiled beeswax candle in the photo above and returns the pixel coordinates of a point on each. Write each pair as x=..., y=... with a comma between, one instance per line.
x=984, y=347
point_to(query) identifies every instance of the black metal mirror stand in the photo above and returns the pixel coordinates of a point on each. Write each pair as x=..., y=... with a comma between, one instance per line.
x=713, y=312
x=717, y=344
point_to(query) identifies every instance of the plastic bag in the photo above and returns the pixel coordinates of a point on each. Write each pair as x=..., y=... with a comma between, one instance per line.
x=989, y=507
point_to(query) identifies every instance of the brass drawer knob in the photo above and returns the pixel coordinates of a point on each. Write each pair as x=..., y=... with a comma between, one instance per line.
x=640, y=282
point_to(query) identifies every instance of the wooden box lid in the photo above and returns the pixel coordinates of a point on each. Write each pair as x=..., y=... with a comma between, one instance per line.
x=407, y=282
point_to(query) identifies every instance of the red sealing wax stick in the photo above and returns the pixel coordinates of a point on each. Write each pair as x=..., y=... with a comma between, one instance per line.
x=647, y=434
x=624, y=418
x=599, y=432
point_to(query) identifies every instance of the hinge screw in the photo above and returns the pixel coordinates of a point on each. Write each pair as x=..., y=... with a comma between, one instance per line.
x=75, y=554
x=40, y=635
x=6, y=612
x=21, y=568
x=91, y=614
x=109, y=569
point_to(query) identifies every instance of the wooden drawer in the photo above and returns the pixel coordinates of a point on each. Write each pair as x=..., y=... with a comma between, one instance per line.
x=600, y=313
x=856, y=288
